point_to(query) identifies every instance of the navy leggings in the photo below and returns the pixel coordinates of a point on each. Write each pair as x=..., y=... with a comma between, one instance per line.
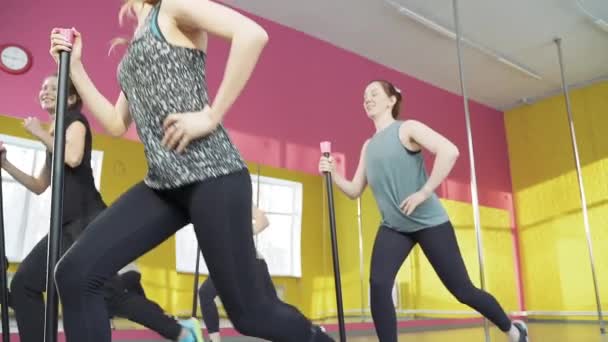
x=207, y=294
x=439, y=244
x=141, y=219
x=126, y=298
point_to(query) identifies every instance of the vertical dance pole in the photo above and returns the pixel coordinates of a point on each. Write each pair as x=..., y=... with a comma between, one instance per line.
x=3, y=277
x=196, y=275
x=57, y=171
x=361, y=267
x=474, y=195
x=581, y=186
x=257, y=201
x=326, y=150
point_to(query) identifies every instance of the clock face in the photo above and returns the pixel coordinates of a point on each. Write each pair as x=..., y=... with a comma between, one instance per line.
x=14, y=58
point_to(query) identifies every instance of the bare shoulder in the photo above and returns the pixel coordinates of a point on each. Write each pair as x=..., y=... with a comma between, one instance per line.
x=365, y=144
x=141, y=11
x=409, y=124
x=407, y=131
x=184, y=12
x=364, y=148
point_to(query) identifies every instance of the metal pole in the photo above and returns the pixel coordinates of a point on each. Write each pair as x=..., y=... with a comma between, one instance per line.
x=474, y=194
x=257, y=201
x=325, y=149
x=196, y=275
x=3, y=267
x=57, y=172
x=581, y=186
x=361, y=266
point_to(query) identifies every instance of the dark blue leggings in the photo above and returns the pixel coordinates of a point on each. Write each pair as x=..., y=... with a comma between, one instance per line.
x=207, y=294
x=141, y=219
x=439, y=244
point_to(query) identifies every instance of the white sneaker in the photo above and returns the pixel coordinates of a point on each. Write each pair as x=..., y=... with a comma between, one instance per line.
x=523, y=330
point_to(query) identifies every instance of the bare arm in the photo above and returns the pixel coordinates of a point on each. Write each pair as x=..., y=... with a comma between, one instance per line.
x=74, y=143
x=353, y=189
x=247, y=42
x=260, y=221
x=36, y=184
x=116, y=118
x=415, y=135
x=47, y=140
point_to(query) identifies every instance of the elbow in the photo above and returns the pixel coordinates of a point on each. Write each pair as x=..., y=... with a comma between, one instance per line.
x=455, y=152
x=265, y=225
x=72, y=160
x=256, y=36
x=452, y=152
x=260, y=36
x=39, y=189
x=116, y=131
x=263, y=37
x=354, y=195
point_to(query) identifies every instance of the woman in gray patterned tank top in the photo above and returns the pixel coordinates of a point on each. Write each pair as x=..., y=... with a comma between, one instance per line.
x=391, y=162
x=195, y=173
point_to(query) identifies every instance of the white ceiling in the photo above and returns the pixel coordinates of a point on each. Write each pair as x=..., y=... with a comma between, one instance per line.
x=521, y=30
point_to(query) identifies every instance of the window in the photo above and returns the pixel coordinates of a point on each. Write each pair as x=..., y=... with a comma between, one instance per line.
x=279, y=243
x=27, y=216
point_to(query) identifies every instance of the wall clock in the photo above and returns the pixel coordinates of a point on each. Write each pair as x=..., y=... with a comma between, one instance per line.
x=15, y=59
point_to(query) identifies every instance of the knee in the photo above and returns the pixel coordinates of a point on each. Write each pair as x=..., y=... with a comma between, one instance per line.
x=69, y=276
x=246, y=324
x=18, y=283
x=247, y=318
x=379, y=284
x=205, y=294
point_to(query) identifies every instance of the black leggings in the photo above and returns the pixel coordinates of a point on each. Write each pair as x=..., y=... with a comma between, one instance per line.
x=29, y=282
x=207, y=294
x=126, y=298
x=441, y=249
x=141, y=219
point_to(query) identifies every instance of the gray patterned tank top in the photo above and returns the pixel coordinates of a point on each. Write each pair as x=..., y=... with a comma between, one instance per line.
x=159, y=79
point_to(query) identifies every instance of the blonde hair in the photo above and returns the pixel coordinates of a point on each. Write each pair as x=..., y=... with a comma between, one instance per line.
x=129, y=9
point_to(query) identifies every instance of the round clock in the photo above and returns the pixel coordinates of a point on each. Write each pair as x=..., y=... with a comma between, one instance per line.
x=14, y=59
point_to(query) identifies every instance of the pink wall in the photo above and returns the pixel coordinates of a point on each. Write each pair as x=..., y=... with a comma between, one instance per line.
x=303, y=91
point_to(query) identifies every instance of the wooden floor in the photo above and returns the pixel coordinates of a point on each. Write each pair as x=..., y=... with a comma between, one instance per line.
x=539, y=332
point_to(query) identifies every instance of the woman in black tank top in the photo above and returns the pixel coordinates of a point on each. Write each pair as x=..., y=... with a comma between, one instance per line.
x=82, y=202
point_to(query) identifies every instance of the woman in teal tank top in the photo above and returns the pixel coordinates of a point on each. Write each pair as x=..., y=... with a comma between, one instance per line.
x=391, y=163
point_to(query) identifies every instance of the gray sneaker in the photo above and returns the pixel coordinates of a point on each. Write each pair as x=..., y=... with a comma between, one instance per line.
x=523, y=330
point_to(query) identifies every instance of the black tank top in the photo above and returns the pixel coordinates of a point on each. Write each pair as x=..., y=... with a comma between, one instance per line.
x=80, y=197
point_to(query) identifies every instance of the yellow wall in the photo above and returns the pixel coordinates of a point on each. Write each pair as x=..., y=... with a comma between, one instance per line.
x=556, y=268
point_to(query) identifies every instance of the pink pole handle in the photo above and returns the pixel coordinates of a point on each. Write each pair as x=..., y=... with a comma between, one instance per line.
x=325, y=147
x=68, y=34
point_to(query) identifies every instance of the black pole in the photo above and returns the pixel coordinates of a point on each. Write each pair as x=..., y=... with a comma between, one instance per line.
x=3, y=278
x=57, y=171
x=195, y=296
x=326, y=149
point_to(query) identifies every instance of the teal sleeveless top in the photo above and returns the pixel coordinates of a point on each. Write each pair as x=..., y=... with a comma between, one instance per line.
x=394, y=173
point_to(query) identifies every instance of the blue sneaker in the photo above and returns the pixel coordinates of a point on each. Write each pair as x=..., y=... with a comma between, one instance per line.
x=194, y=327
